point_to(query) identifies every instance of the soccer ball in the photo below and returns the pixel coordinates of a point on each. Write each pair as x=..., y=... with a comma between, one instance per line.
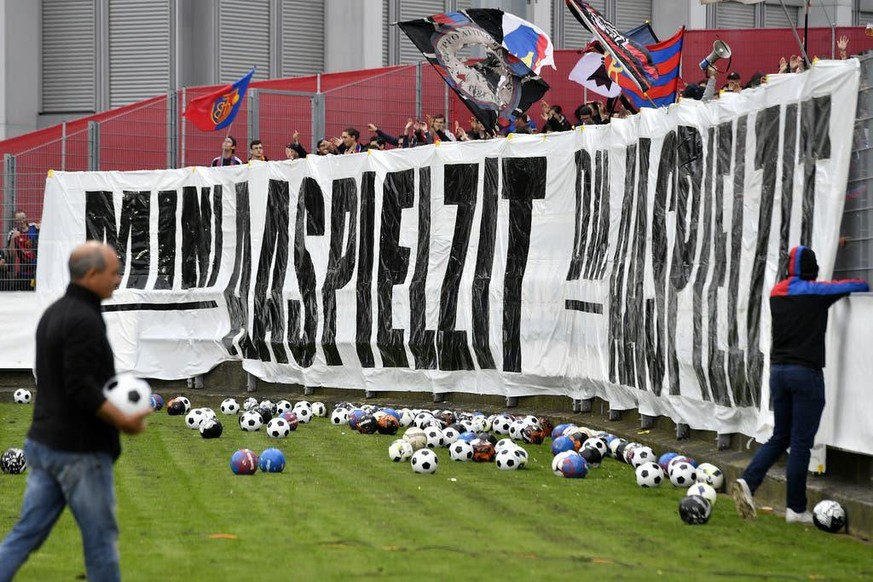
x=695, y=510
x=558, y=459
x=195, y=418
x=129, y=394
x=268, y=404
x=515, y=429
x=303, y=411
x=13, y=461
x=450, y=435
x=368, y=424
x=483, y=451
x=400, y=451
x=481, y=423
x=387, y=424
x=416, y=437
x=157, y=401
x=534, y=435
x=250, y=403
x=683, y=474
x=22, y=396
x=704, y=490
x=461, y=451
x=229, y=406
x=593, y=457
x=282, y=406
x=521, y=455
x=665, y=459
x=649, y=474
x=339, y=416
x=710, y=474
x=272, y=460
x=278, y=428
x=501, y=424
x=210, y=428
x=507, y=460
x=424, y=461
x=291, y=418
x=250, y=421
x=175, y=407
x=597, y=444
x=434, y=437
x=319, y=409
x=561, y=444
x=829, y=516
x=406, y=417
x=643, y=455
x=185, y=402
x=504, y=443
x=574, y=466
x=244, y=462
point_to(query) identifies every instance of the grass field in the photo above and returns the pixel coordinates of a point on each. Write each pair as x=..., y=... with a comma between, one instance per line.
x=342, y=510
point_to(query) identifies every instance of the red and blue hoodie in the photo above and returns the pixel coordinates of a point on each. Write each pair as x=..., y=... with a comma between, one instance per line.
x=799, y=310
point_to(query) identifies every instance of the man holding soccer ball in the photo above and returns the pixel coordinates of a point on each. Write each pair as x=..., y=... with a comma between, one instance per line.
x=73, y=441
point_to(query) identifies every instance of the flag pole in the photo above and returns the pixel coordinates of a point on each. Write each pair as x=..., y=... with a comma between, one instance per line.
x=796, y=36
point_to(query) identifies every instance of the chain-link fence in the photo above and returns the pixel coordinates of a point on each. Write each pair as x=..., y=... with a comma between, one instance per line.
x=153, y=134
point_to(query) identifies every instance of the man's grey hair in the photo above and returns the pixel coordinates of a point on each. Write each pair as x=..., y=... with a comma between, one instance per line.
x=92, y=258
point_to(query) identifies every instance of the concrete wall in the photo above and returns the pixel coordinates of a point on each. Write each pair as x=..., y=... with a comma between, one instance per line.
x=349, y=40
x=19, y=66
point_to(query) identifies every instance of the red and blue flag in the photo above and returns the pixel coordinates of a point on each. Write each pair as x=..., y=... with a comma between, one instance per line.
x=217, y=110
x=666, y=57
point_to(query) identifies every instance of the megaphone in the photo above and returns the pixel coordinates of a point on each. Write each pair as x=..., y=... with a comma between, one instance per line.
x=720, y=50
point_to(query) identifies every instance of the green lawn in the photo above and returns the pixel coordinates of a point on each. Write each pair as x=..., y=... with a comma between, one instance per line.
x=342, y=510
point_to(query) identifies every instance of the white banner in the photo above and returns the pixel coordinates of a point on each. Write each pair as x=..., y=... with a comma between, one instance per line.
x=631, y=261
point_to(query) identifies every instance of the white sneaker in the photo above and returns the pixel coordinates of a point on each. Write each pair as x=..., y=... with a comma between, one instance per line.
x=792, y=516
x=743, y=499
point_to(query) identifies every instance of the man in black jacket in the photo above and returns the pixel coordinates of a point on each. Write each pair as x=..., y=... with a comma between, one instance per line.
x=73, y=441
x=799, y=313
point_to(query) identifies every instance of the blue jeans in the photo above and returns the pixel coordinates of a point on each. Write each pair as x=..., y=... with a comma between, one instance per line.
x=55, y=479
x=798, y=398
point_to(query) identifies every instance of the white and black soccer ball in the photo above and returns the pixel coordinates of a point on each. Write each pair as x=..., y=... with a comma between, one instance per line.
x=450, y=435
x=185, y=402
x=481, y=423
x=339, y=416
x=515, y=428
x=406, y=417
x=461, y=451
x=269, y=405
x=828, y=515
x=250, y=403
x=400, y=451
x=683, y=474
x=13, y=461
x=22, y=396
x=195, y=418
x=649, y=474
x=303, y=410
x=704, y=490
x=435, y=438
x=229, y=406
x=250, y=421
x=129, y=394
x=643, y=455
x=278, y=428
x=283, y=406
x=711, y=475
x=596, y=443
x=424, y=461
x=522, y=455
x=501, y=424
x=319, y=409
x=504, y=443
x=210, y=428
x=558, y=460
x=507, y=460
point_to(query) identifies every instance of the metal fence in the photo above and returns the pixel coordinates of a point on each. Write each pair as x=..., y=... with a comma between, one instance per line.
x=154, y=135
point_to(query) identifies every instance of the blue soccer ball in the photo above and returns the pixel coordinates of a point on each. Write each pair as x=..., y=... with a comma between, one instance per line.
x=468, y=436
x=664, y=460
x=157, y=401
x=574, y=467
x=559, y=430
x=272, y=461
x=561, y=444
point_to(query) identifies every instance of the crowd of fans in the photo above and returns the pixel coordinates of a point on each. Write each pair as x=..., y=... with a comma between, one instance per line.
x=18, y=257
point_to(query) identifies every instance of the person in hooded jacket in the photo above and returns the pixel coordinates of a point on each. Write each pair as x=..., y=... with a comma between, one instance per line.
x=799, y=313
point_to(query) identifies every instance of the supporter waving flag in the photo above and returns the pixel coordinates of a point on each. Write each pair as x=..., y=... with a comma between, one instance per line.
x=632, y=57
x=217, y=110
x=503, y=84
